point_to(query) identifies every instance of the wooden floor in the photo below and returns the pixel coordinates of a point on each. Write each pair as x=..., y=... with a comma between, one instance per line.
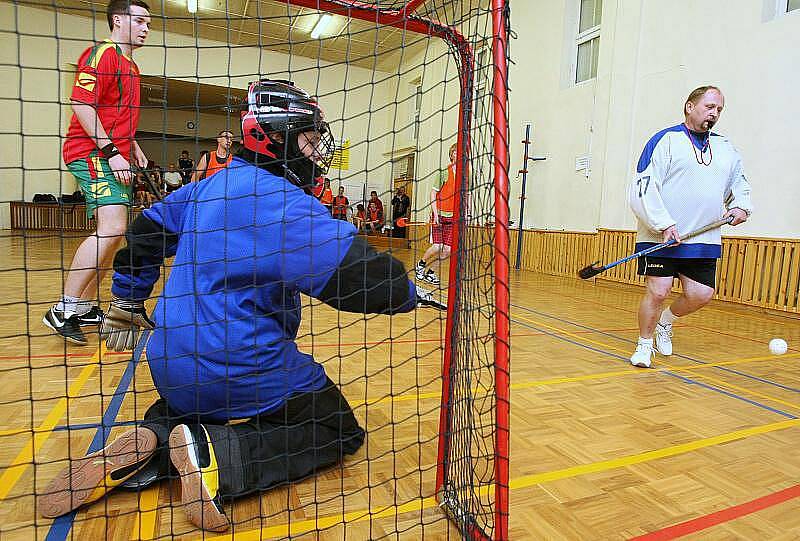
x=708, y=439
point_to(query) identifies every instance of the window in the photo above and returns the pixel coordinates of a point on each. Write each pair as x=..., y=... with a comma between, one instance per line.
x=483, y=70
x=588, y=39
x=417, y=109
x=792, y=5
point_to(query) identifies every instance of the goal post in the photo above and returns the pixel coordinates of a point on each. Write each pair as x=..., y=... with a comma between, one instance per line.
x=474, y=523
x=398, y=83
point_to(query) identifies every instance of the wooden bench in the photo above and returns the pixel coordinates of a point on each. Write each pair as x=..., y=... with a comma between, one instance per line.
x=384, y=242
x=52, y=216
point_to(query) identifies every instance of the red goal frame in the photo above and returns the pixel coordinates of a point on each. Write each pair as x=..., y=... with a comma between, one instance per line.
x=404, y=18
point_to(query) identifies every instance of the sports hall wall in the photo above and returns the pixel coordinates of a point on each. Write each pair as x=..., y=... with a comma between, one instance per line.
x=651, y=55
x=31, y=59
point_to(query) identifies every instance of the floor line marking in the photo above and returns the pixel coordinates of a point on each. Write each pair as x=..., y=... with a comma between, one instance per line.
x=673, y=368
x=145, y=517
x=318, y=523
x=42, y=433
x=719, y=517
x=61, y=526
x=697, y=326
x=670, y=371
x=694, y=360
x=720, y=382
x=514, y=386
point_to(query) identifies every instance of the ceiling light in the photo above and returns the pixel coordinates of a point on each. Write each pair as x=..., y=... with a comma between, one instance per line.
x=191, y=6
x=322, y=25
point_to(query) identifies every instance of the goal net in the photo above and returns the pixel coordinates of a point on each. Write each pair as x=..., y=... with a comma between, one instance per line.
x=402, y=82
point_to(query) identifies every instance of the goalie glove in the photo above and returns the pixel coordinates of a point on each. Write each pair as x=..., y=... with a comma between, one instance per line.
x=426, y=298
x=122, y=322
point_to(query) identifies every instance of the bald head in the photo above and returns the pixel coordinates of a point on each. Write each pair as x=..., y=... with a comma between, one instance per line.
x=703, y=108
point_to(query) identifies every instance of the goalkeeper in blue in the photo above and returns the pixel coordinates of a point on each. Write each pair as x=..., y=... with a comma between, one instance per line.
x=246, y=242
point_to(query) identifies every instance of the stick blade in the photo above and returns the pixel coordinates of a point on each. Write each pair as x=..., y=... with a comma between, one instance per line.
x=590, y=271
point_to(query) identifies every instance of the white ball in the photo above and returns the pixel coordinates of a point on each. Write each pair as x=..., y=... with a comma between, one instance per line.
x=778, y=346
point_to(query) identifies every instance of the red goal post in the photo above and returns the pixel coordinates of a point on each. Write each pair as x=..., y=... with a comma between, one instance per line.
x=402, y=15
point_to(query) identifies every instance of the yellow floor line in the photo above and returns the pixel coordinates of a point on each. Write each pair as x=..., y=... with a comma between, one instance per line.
x=524, y=384
x=720, y=383
x=639, y=371
x=582, y=339
x=302, y=526
x=630, y=460
x=41, y=434
x=144, y=525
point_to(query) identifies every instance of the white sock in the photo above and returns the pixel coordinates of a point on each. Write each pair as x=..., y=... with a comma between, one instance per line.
x=73, y=305
x=667, y=317
x=646, y=341
x=83, y=307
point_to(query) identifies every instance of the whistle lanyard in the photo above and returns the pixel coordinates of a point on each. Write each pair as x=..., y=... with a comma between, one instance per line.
x=701, y=159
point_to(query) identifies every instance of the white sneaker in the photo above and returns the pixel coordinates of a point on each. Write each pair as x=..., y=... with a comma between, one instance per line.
x=643, y=355
x=663, y=338
x=420, y=271
x=431, y=277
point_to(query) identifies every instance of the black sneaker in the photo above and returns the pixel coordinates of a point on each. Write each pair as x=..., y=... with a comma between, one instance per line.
x=92, y=317
x=69, y=327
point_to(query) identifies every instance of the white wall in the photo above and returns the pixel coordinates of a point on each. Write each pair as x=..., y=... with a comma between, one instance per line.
x=651, y=55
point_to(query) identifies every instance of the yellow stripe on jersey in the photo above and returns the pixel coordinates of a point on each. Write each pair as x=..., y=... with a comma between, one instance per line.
x=86, y=81
x=94, y=59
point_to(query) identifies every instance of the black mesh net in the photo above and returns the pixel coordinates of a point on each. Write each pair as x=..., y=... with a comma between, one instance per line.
x=275, y=376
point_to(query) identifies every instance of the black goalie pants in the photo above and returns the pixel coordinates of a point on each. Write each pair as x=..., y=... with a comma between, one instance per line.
x=310, y=432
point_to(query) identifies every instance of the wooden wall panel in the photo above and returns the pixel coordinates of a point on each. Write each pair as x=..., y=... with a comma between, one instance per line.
x=754, y=271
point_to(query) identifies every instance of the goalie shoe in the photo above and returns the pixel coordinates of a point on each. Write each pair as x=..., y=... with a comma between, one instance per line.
x=192, y=454
x=89, y=478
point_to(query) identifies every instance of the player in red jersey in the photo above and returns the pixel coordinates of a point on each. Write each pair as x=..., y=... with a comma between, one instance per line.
x=99, y=151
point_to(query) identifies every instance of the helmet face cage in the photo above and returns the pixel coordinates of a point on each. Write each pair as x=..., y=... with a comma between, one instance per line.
x=281, y=107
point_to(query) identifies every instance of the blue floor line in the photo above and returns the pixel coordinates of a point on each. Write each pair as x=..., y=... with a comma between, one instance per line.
x=89, y=426
x=698, y=361
x=666, y=372
x=61, y=526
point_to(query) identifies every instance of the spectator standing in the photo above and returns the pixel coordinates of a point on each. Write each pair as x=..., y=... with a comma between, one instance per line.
x=326, y=196
x=401, y=204
x=340, y=205
x=186, y=167
x=212, y=162
x=373, y=198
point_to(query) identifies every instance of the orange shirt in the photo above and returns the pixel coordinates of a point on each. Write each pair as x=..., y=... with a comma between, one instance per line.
x=319, y=184
x=340, y=205
x=446, y=195
x=214, y=163
x=327, y=197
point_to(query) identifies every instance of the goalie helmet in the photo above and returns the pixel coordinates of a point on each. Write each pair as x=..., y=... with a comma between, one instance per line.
x=277, y=112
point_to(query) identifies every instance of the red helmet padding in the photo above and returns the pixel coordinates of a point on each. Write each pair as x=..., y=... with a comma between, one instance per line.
x=253, y=136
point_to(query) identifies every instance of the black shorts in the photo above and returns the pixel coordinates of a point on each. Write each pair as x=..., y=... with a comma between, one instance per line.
x=700, y=269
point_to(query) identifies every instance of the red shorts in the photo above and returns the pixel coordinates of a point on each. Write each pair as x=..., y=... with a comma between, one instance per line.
x=442, y=233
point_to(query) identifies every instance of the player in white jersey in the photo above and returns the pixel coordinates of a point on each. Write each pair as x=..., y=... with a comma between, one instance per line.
x=687, y=177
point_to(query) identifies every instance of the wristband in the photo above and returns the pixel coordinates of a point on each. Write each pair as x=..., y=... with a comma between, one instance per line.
x=109, y=151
